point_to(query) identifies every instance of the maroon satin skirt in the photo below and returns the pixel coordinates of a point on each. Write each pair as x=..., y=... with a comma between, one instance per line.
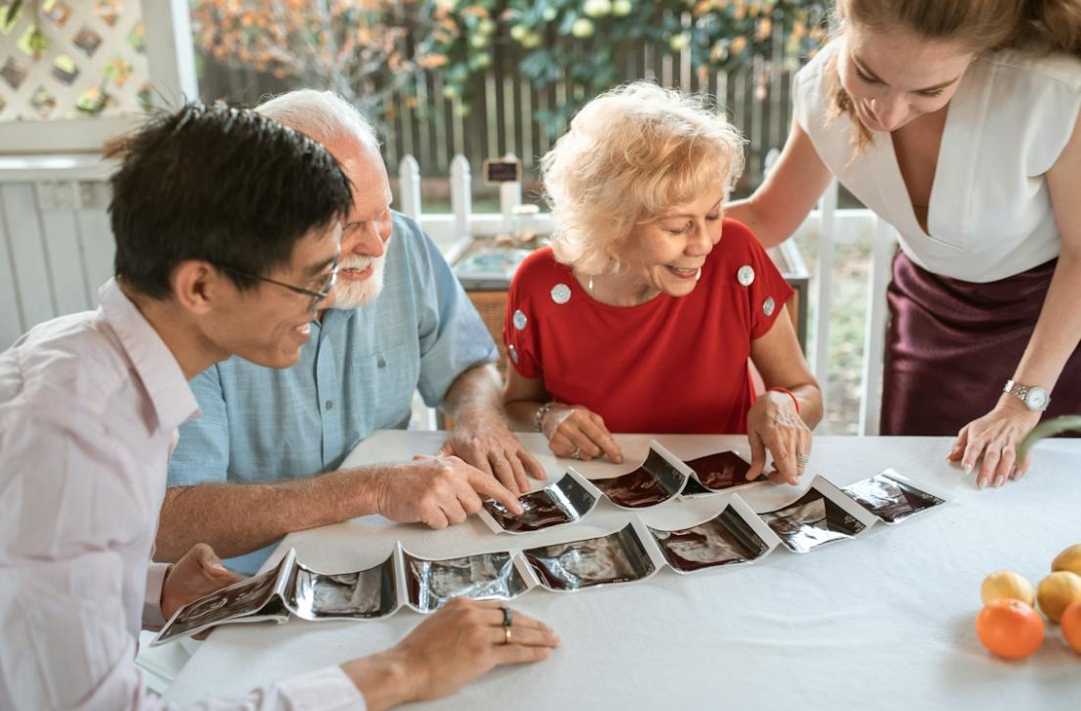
x=951, y=346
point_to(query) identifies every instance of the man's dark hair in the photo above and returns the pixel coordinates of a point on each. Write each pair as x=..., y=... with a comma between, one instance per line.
x=220, y=184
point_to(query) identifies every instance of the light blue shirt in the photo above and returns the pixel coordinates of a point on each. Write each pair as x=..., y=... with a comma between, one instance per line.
x=355, y=375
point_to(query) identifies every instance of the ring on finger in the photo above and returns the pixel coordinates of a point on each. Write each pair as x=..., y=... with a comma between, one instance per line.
x=576, y=453
x=801, y=459
x=508, y=620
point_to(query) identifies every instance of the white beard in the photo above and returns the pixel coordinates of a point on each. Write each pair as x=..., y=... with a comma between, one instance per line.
x=352, y=295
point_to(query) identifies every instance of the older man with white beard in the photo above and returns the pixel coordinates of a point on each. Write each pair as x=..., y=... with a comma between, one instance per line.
x=264, y=458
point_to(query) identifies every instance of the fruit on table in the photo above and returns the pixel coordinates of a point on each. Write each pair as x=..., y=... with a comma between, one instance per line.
x=1009, y=628
x=1069, y=559
x=1056, y=591
x=1071, y=625
x=1009, y=585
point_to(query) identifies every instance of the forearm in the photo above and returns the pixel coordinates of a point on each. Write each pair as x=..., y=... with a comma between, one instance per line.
x=521, y=414
x=235, y=519
x=475, y=395
x=1058, y=328
x=744, y=211
x=810, y=403
x=382, y=678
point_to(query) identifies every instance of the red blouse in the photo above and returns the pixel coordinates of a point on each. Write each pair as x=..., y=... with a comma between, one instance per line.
x=671, y=365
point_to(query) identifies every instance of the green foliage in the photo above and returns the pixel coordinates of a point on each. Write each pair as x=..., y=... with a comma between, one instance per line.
x=369, y=49
x=1050, y=428
x=581, y=39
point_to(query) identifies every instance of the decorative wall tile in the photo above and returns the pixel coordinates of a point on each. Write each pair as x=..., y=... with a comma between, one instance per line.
x=66, y=59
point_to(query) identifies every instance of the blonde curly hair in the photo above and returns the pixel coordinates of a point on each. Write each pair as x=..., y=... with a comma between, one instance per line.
x=630, y=155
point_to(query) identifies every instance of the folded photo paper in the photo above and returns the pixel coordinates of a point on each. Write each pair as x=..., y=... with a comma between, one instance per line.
x=823, y=514
x=736, y=535
x=892, y=497
x=290, y=589
x=484, y=576
x=566, y=501
x=721, y=471
x=659, y=479
x=619, y=557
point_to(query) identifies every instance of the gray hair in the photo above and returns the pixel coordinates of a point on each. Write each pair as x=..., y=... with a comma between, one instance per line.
x=321, y=115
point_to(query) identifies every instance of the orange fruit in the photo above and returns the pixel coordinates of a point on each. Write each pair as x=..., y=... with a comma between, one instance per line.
x=1071, y=625
x=1009, y=628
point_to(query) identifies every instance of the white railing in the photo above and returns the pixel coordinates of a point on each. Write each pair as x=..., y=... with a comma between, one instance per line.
x=56, y=248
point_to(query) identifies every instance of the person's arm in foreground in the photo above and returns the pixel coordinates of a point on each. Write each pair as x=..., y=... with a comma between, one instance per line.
x=239, y=518
x=774, y=422
x=569, y=428
x=481, y=436
x=789, y=192
x=234, y=519
x=992, y=440
x=459, y=643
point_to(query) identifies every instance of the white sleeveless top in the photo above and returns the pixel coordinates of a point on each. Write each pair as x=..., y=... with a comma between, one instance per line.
x=990, y=214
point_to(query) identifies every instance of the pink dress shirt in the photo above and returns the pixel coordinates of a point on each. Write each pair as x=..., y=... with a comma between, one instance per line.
x=89, y=408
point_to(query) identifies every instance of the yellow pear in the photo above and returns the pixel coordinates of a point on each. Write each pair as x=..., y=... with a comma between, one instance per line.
x=1056, y=591
x=1069, y=559
x=1009, y=585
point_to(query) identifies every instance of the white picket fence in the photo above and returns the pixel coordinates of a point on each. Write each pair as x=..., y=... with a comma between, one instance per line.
x=56, y=248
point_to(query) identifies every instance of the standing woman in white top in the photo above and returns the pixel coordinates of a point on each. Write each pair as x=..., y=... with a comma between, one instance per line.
x=957, y=122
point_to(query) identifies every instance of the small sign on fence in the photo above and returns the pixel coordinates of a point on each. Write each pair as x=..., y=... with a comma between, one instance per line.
x=501, y=170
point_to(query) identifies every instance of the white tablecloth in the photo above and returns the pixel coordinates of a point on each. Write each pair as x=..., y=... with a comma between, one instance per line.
x=881, y=622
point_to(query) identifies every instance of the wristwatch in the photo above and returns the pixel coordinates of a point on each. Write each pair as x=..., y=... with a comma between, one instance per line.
x=1035, y=398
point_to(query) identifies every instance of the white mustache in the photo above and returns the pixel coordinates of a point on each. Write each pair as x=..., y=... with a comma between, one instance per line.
x=357, y=263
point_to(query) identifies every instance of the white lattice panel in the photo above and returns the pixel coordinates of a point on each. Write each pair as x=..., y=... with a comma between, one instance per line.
x=65, y=59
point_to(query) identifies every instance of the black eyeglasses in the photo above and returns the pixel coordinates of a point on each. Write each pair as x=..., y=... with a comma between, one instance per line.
x=317, y=296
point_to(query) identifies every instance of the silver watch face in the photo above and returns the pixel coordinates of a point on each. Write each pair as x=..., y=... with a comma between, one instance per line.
x=1036, y=399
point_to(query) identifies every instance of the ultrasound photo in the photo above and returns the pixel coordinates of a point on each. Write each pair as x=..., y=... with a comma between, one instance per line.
x=619, y=557
x=716, y=472
x=251, y=600
x=365, y=594
x=565, y=501
x=655, y=482
x=889, y=497
x=724, y=540
x=486, y=576
x=813, y=520
x=247, y=597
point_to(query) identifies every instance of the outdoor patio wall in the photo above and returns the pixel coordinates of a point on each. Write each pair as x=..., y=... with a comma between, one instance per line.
x=56, y=249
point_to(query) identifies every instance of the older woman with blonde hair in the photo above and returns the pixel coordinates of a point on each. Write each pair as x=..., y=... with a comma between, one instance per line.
x=642, y=313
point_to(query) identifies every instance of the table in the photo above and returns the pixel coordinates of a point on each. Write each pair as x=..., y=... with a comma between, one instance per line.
x=881, y=622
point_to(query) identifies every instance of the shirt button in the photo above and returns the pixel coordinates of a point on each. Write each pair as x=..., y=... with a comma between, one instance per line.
x=330, y=404
x=382, y=363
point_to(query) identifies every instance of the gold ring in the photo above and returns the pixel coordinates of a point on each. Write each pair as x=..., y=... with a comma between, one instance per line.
x=506, y=634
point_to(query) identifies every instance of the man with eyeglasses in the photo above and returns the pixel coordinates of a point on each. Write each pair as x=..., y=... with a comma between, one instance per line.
x=90, y=403
x=265, y=459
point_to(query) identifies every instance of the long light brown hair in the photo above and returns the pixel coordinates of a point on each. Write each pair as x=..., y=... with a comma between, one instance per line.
x=1038, y=26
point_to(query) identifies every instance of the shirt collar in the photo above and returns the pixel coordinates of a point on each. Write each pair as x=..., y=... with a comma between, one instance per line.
x=152, y=360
